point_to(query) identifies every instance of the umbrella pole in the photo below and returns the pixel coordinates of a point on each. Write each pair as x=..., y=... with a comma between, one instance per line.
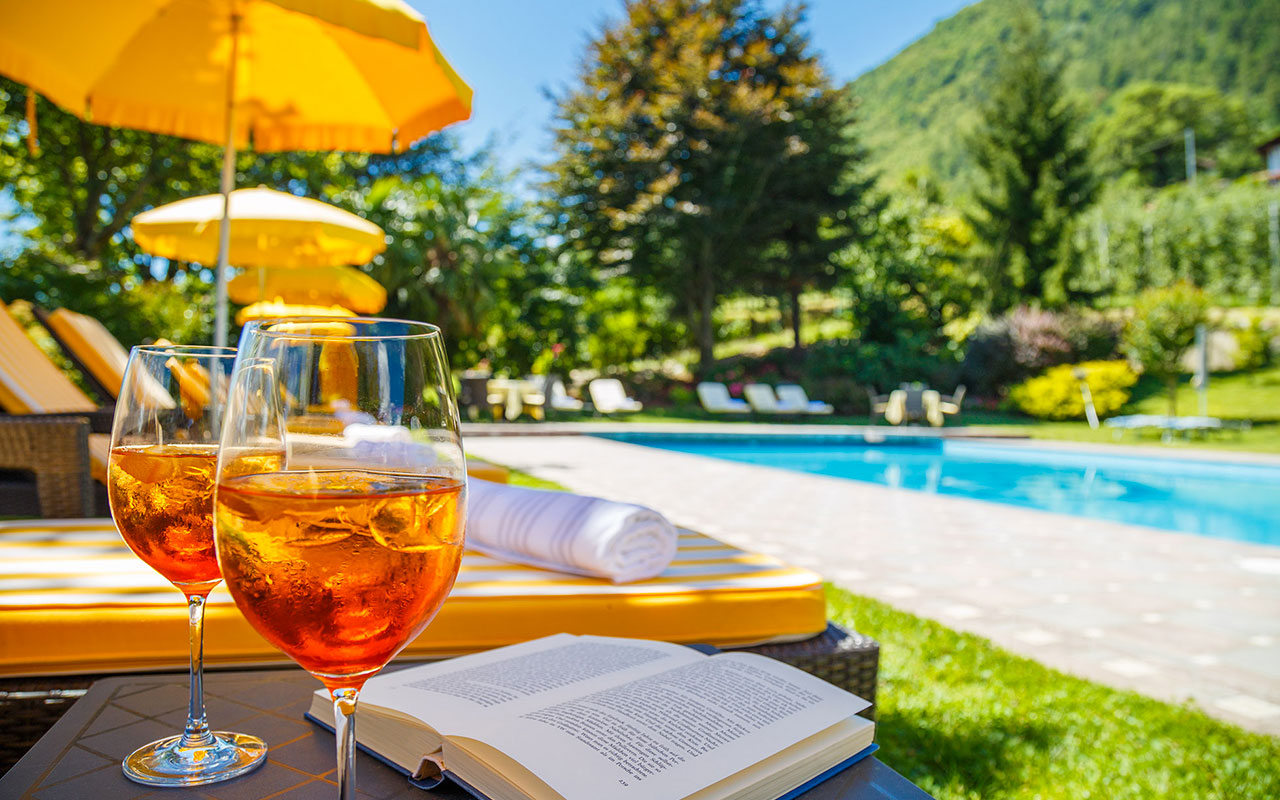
x=228, y=183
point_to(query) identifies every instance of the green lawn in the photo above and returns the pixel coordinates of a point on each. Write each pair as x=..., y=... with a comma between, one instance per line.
x=1253, y=396
x=963, y=718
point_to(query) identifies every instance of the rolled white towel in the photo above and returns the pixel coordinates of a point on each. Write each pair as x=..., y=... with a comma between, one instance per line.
x=568, y=532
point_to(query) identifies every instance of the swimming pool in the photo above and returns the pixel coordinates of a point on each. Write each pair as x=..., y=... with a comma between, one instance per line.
x=1208, y=498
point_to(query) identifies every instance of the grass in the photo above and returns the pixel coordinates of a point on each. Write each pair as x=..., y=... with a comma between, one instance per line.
x=965, y=719
x=518, y=478
x=1253, y=396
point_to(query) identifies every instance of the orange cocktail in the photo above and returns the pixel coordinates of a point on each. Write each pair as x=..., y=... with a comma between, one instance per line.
x=162, y=500
x=340, y=569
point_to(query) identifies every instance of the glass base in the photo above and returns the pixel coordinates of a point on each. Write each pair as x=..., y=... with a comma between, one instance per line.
x=168, y=763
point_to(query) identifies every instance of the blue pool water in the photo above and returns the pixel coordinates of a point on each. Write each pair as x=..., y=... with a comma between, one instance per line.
x=1222, y=500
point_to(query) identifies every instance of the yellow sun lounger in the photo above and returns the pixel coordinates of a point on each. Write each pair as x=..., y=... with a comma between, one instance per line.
x=93, y=348
x=74, y=598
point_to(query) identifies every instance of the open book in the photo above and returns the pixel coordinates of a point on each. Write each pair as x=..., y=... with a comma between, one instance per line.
x=587, y=717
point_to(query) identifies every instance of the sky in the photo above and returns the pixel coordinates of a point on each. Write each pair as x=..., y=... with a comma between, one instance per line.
x=512, y=52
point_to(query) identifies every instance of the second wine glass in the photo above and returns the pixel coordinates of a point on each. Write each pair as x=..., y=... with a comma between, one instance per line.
x=164, y=447
x=341, y=496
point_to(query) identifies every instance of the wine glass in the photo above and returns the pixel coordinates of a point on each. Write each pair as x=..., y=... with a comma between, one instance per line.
x=341, y=496
x=164, y=449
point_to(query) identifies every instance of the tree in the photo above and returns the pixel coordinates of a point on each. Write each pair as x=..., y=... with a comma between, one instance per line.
x=822, y=203
x=671, y=147
x=1143, y=135
x=1162, y=329
x=1036, y=168
x=462, y=254
x=910, y=277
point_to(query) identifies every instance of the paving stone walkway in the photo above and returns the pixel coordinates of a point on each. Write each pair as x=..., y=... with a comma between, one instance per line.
x=1174, y=616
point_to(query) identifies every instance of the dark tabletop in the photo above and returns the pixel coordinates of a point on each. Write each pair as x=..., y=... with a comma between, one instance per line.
x=80, y=756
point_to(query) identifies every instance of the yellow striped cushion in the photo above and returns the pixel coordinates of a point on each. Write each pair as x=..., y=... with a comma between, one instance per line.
x=90, y=341
x=29, y=382
x=73, y=598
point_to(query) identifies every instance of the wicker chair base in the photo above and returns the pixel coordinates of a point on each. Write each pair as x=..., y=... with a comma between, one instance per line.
x=844, y=658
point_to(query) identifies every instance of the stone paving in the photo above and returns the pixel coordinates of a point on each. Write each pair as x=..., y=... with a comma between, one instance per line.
x=1175, y=616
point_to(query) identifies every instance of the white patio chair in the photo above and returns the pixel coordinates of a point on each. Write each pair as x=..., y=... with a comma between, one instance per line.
x=559, y=399
x=794, y=395
x=608, y=396
x=715, y=398
x=763, y=400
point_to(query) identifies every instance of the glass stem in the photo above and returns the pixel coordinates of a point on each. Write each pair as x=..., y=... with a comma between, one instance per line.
x=197, y=731
x=344, y=728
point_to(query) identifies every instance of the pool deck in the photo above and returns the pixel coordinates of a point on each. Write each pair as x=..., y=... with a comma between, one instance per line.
x=1174, y=616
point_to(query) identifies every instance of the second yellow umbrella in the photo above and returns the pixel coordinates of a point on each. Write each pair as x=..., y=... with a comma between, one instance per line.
x=268, y=229
x=342, y=286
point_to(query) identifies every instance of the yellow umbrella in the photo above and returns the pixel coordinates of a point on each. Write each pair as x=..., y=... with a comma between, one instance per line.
x=280, y=74
x=268, y=229
x=278, y=308
x=341, y=286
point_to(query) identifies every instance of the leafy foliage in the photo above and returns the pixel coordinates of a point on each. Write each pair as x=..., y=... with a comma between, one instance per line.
x=1036, y=169
x=1143, y=134
x=687, y=118
x=1056, y=394
x=1162, y=328
x=1211, y=235
x=911, y=275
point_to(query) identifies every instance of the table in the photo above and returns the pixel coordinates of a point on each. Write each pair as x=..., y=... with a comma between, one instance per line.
x=80, y=756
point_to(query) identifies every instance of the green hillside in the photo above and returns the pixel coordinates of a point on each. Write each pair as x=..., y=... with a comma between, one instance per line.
x=918, y=106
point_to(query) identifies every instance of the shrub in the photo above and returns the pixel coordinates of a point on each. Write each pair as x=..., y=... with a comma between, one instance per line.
x=1056, y=393
x=1254, y=341
x=1027, y=341
x=1162, y=328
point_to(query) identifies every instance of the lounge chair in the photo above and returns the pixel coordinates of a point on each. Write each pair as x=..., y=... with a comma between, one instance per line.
x=716, y=399
x=31, y=384
x=558, y=398
x=764, y=401
x=795, y=395
x=94, y=351
x=608, y=396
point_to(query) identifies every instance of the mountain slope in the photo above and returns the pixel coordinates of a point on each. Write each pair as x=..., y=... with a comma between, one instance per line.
x=918, y=107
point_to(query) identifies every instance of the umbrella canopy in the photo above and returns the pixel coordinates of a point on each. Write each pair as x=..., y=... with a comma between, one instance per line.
x=268, y=229
x=340, y=286
x=303, y=74
x=274, y=74
x=278, y=308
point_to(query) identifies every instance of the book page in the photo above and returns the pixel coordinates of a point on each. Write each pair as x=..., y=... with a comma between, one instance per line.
x=667, y=734
x=495, y=684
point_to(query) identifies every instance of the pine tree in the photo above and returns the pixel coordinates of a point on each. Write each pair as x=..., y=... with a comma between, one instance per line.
x=1035, y=162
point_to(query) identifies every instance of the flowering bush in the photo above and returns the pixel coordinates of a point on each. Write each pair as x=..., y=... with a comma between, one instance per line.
x=1027, y=341
x=1056, y=393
